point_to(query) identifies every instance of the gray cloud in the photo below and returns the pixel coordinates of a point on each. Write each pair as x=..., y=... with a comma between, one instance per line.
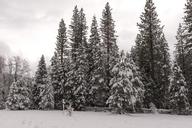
x=23, y=13
x=28, y=25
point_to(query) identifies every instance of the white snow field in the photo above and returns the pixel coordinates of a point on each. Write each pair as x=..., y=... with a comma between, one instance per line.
x=56, y=119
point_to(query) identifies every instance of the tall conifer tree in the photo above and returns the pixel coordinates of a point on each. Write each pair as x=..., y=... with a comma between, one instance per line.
x=109, y=46
x=187, y=26
x=96, y=68
x=77, y=76
x=152, y=56
x=61, y=61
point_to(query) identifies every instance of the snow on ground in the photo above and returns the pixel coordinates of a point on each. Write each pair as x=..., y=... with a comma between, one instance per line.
x=56, y=119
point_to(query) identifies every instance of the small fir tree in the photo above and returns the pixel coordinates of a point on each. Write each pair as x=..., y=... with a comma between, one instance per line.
x=178, y=91
x=41, y=79
x=18, y=97
x=127, y=88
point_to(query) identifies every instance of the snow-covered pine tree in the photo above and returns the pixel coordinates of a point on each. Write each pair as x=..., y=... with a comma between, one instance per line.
x=178, y=91
x=77, y=76
x=163, y=69
x=152, y=56
x=109, y=47
x=62, y=62
x=41, y=79
x=187, y=26
x=18, y=97
x=127, y=87
x=80, y=91
x=55, y=81
x=96, y=68
x=74, y=35
x=47, y=97
x=62, y=44
x=138, y=82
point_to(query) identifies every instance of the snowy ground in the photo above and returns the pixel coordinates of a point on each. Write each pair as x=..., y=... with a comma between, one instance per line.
x=56, y=119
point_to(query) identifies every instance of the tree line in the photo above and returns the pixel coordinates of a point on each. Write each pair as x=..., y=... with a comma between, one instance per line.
x=90, y=70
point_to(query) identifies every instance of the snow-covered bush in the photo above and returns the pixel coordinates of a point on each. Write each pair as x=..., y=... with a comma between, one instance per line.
x=127, y=88
x=153, y=108
x=18, y=98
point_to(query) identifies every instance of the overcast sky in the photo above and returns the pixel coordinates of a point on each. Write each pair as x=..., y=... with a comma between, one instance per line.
x=29, y=27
